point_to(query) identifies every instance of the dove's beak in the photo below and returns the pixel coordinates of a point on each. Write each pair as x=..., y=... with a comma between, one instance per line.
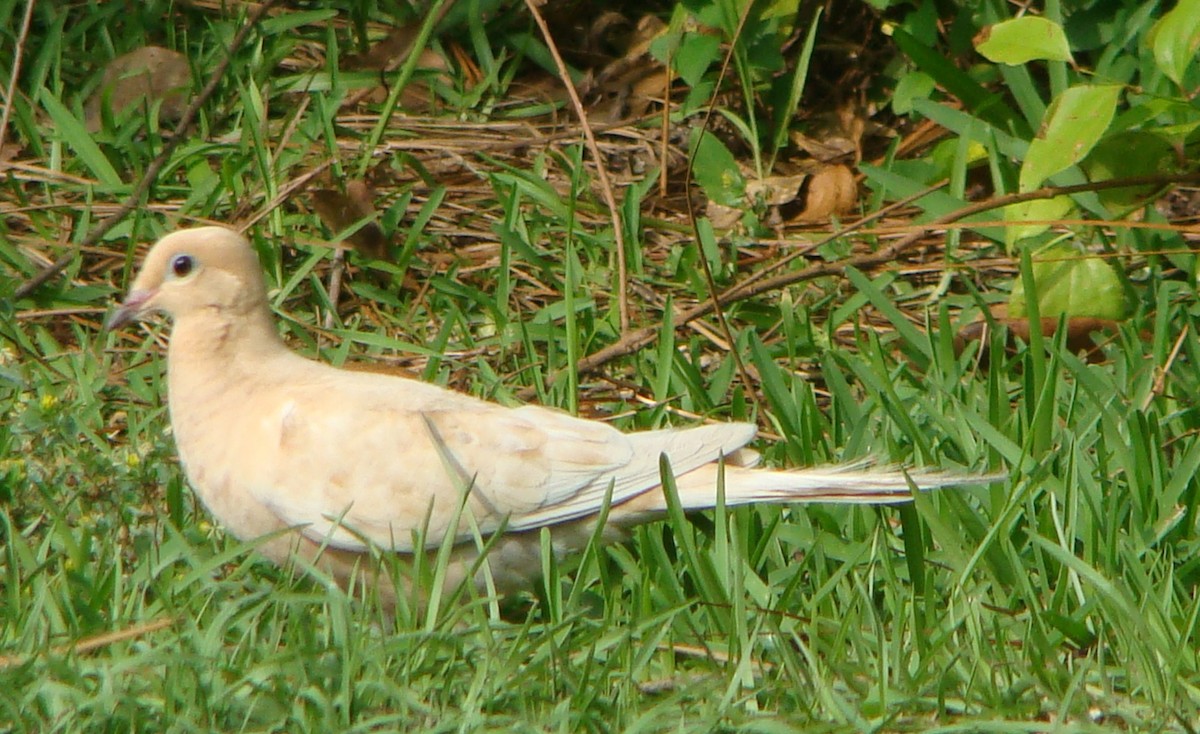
x=136, y=304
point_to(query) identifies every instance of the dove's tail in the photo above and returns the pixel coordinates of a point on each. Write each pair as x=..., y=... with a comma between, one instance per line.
x=851, y=484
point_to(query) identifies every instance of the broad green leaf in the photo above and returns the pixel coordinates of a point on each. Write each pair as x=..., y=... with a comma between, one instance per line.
x=785, y=9
x=1073, y=125
x=717, y=171
x=696, y=52
x=1039, y=210
x=923, y=24
x=1071, y=284
x=1175, y=39
x=913, y=85
x=1127, y=155
x=665, y=44
x=944, y=154
x=1025, y=39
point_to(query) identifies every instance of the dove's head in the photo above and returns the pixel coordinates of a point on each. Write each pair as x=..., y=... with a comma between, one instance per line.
x=195, y=271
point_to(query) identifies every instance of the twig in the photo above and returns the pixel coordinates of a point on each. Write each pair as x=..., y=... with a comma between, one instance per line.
x=335, y=287
x=156, y=166
x=665, y=129
x=601, y=168
x=10, y=94
x=284, y=193
x=96, y=642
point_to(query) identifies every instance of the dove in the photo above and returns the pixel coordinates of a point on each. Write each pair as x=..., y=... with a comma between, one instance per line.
x=259, y=430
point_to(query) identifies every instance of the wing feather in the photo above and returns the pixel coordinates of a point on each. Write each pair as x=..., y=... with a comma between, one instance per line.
x=390, y=469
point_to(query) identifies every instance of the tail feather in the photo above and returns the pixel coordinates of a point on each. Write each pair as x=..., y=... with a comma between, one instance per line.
x=858, y=483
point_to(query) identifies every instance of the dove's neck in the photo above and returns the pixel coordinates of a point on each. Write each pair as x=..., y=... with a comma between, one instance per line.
x=213, y=349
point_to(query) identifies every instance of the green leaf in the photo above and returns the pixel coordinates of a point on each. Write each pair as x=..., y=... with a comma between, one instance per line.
x=1072, y=285
x=1073, y=125
x=913, y=85
x=1025, y=39
x=783, y=9
x=923, y=24
x=696, y=52
x=1128, y=155
x=1039, y=210
x=944, y=154
x=1175, y=39
x=717, y=171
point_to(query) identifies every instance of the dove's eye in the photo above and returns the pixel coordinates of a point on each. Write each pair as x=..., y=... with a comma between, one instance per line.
x=182, y=265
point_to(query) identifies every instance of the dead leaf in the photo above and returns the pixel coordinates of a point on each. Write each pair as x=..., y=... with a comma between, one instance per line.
x=1080, y=330
x=629, y=84
x=341, y=211
x=144, y=76
x=608, y=35
x=381, y=368
x=9, y=151
x=827, y=150
x=831, y=190
x=388, y=54
x=835, y=136
x=775, y=190
x=649, y=27
x=723, y=217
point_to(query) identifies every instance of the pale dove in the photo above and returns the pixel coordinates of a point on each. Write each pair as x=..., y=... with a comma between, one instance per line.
x=348, y=459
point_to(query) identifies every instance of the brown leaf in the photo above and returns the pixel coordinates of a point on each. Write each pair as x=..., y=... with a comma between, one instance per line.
x=627, y=85
x=723, y=217
x=390, y=51
x=776, y=190
x=381, y=368
x=1079, y=334
x=146, y=75
x=340, y=211
x=9, y=151
x=826, y=150
x=831, y=190
x=834, y=136
x=388, y=54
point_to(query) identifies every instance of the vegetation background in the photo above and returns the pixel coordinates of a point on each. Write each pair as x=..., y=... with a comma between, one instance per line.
x=955, y=234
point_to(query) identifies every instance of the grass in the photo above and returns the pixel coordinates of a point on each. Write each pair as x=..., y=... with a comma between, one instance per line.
x=1063, y=599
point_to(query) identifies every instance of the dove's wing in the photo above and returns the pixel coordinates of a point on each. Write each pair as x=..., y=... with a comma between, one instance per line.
x=375, y=459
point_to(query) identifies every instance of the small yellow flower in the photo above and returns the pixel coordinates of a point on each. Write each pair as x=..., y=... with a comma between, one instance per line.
x=49, y=402
x=132, y=460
